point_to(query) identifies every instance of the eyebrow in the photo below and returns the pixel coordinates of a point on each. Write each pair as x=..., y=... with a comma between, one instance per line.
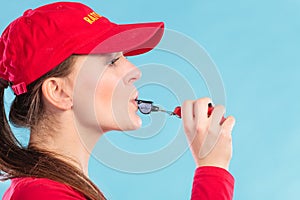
x=112, y=55
x=115, y=54
x=109, y=56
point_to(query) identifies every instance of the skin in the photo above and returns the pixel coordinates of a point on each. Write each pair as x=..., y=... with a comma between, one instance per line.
x=89, y=102
x=98, y=97
x=198, y=126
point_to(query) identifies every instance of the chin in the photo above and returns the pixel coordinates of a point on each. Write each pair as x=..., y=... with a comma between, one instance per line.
x=127, y=121
x=132, y=124
x=137, y=121
x=137, y=125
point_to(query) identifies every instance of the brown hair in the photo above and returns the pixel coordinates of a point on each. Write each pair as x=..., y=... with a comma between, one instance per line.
x=27, y=110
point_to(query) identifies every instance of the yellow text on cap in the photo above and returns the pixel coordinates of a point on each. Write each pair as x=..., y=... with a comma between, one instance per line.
x=92, y=17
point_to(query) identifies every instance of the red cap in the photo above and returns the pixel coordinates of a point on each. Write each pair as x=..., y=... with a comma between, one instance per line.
x=42, y=38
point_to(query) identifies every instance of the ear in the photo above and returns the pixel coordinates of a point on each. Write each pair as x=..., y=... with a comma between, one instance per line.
x=58, y=92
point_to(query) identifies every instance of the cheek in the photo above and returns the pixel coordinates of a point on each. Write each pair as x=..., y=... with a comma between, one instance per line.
x=114, y=108
x=85, y=100
x=109, y=101
x=104, y=93
x=83, y=104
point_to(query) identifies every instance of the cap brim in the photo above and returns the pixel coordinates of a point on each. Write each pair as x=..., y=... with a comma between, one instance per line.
x=131, y=39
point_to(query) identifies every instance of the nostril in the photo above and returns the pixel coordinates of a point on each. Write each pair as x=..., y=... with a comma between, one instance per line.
x=135, y=77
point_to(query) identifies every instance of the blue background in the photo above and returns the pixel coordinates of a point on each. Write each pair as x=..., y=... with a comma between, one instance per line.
x=255, y=45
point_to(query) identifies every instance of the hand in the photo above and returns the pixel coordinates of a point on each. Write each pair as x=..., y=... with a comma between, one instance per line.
x=210, y=142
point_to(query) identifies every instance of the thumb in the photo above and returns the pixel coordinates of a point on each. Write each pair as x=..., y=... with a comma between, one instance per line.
x=228, y=124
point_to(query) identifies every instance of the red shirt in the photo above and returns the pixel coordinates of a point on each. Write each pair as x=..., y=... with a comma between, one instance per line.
x=210, y=183
x=40, y=189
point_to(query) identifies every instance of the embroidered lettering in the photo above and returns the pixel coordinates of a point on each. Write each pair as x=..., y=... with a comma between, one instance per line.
x=92, y=17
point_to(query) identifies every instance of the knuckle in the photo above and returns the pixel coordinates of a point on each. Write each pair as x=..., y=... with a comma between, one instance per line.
x=187, y=128
x=205, y=99
x=225, y=135
x=198, y=103
x=201, y=101
x=187, y=102
x=201, y=129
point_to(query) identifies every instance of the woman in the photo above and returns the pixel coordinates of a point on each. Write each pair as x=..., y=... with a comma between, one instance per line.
x=66, y=66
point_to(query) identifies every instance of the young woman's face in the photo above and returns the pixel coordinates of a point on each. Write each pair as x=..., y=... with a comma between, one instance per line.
x=104, y=94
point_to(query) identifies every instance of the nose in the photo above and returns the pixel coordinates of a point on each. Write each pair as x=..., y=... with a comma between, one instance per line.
x=133, y=75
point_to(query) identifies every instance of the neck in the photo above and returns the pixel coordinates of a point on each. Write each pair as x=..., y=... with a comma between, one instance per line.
x=70, y=140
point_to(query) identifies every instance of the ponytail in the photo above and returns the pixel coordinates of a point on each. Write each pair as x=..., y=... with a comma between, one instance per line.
x=10, y=147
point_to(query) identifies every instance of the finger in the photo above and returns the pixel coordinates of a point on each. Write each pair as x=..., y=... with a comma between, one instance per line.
x=187, y=115
x=228, y=125
x=200, y=113
x=216, y=118
x=213, y=132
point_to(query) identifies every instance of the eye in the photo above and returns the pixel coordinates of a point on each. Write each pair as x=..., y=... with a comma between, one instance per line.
x=113, y=61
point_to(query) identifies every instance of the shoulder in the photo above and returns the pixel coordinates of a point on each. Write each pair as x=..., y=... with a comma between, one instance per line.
x=40, y=188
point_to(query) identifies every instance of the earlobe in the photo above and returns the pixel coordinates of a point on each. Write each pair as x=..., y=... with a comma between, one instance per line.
x=57, y=94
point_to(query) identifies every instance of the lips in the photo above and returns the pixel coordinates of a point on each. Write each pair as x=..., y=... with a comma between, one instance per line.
x=134, y=98
x=134, y=102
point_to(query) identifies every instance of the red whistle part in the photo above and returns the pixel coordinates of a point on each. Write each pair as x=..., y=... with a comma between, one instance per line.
x=177, y=111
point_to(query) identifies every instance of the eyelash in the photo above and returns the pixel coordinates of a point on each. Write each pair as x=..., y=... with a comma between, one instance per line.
x=114, y=61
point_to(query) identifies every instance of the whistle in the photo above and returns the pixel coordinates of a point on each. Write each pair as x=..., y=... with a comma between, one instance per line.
x=146, y=107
